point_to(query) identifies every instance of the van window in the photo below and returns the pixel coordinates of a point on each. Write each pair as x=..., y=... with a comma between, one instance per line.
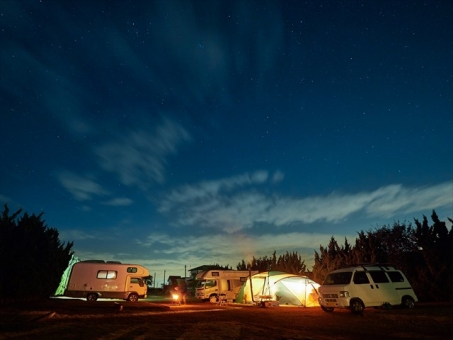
x=106, y=274
x=206, y=284
x=131, y=269
x=211, y=283
x=360, y=278
x=379, y=276
x=342, y=278
x=396, y=276
x=137, y=280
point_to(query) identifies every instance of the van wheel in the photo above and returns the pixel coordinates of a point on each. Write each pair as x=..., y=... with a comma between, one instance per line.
x=327, y=309
x=132, y=297
x=92, y=297
x=357, y=306
x=408, y=302
x=213, y=298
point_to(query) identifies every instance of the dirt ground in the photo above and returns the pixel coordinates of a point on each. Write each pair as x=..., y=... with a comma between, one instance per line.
x=159, y=319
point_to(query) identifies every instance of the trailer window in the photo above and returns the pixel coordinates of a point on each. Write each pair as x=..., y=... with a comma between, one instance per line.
x=106, y=274
x=131, y=269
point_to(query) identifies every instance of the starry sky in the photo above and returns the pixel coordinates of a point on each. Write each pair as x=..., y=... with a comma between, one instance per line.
x=175, y=134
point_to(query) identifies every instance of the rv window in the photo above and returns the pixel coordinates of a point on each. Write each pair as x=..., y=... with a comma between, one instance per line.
x=379, y=276
x=211, y=283
x=215, y=273
x=131, y=269
x=360, y=278
x=206, y=283
x=106, y=274
x=137, y=280
x=396, y=276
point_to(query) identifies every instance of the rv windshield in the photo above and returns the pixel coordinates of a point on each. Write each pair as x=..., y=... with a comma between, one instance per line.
x=206, y=283
x=338, y=278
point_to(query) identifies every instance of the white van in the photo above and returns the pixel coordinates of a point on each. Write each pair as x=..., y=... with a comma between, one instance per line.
x=225, y=284
x=93, y=279
x=365, y=286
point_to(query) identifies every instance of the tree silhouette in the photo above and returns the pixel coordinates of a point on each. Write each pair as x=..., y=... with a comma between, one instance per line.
x=423, y=253
x=435, y=244
x=289, y=262
x=32, y=256
x=330, y=258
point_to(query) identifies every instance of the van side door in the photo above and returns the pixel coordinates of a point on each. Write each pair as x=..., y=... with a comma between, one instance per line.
x=401, y=285
x=386, y=289
x=364, y=289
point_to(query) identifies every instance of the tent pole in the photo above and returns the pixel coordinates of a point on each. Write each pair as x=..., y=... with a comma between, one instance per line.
x=251, y=287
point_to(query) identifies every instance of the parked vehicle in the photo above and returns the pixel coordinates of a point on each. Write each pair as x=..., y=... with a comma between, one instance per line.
x=370, y=285
x=95, y=279
x=213, y=284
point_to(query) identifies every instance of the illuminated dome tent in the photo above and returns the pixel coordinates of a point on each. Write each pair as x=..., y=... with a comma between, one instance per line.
x=65, y=277
x=287, y=289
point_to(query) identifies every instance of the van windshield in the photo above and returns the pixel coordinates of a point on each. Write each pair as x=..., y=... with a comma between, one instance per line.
x=342, y=278
x=206, y=283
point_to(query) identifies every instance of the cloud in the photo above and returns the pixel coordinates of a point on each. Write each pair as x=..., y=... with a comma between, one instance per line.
x=206, y=190
x=139, y=157
x=230, y=248
x=278, y=176
x=82, y=189
x=220, y=205
x=5, y=199
x=396, y=198
x=75, y=235
x=222, y=244
x=118, y=202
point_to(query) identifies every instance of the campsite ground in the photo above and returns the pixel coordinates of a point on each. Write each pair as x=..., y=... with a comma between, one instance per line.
x=157, y=318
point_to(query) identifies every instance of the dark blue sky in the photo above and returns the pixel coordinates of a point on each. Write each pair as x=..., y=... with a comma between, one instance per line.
x=173, y=133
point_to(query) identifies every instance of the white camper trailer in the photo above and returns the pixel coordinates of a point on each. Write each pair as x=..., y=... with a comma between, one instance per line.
x=223, y=284
x=95, y=279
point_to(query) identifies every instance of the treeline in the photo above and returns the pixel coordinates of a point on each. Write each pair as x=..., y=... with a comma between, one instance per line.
x=422, y=251
x=288, y=262
x=31, y=255
x=33, y=258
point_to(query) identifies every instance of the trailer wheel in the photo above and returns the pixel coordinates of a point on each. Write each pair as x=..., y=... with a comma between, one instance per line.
x=132, y=297
x=92, y=297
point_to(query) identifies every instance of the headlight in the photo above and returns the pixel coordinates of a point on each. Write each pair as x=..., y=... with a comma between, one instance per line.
x=344, y=294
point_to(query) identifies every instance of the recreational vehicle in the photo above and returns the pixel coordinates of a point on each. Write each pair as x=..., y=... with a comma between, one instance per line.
x=218, y=284
x=95, y=279
x=365, y=286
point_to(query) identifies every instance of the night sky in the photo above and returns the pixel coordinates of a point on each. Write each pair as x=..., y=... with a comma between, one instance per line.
x=182, y=133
